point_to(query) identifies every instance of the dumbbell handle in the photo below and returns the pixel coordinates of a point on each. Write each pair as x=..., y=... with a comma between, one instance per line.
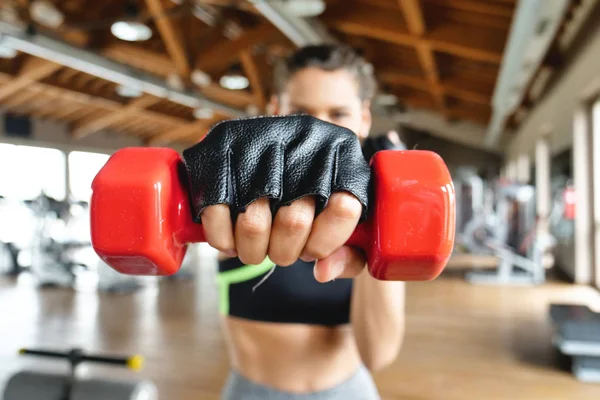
x=133, y=362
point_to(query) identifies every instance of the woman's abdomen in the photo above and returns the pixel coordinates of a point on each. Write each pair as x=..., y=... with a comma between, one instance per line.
x=291, y=357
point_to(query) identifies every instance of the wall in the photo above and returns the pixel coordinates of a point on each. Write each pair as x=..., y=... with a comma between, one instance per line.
x=557, y=107
x=455, y=154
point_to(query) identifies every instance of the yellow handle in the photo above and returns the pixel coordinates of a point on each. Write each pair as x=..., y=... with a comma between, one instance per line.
x=135, y=362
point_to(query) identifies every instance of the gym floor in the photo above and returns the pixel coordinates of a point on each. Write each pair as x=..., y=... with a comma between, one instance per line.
x=462, y=341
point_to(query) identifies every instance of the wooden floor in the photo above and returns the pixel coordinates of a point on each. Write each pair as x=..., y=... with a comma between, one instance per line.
x=463, y=342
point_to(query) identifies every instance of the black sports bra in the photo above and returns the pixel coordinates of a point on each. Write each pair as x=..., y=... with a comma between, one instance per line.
x=289, y=294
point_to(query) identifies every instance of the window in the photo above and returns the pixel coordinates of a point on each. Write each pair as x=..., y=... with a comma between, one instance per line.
x=83, y=167
x=27, y=171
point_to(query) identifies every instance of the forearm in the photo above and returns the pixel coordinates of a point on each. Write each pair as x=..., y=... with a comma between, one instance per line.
x=377, y=317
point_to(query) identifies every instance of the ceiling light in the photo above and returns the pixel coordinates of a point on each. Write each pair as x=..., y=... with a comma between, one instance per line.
x=200, y=78
x=131, y=31
x=46, y=13
x=7, y=52
x=205, y=14
x=234, y=82
x=203, y=113
x=305, y=8
x=174, y=81
x=232, y=30
x=129, y=92
x=386, y=99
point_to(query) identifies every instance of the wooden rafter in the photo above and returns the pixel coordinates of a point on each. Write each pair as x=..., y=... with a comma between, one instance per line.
x=413, y=16
x=448, y=89
x=199, y=127
x=161, y=65
x=138, y=57
x=171, y=39
x=34, y=69
x=386, y=30
x=411, y=9
x=224, y=53
x=88, y=100
x=251, y=70
x=88, y=127
x=477, y=6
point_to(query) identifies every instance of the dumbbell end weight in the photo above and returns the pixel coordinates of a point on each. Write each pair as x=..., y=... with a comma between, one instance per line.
x=140, y=214
x=410, y=233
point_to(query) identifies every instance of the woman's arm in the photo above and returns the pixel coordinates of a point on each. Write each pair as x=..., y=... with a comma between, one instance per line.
x=377, y=318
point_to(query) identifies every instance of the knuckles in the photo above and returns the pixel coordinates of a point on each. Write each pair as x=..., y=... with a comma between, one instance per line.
x=295, y=219
x=344, y=206
x=255, y=222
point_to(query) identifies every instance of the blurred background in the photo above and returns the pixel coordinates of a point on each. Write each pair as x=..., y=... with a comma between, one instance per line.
x=506, y=91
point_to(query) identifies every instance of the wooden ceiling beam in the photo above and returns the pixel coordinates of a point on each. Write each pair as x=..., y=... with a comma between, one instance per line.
x=236, y=98
x=162, y=66
x=448, y=88
x=413, y=15
x=226, y=52
x=251, y=71
x=89, y=100
x=19, y=97
x=479, y=20
x=139, y=57
x=170, y=136
x=173, y=42
x=86, y=128
x=466, y=95
x=242, y=5
x=384, y=27
x=481, y=7
x=33, y=69
x=415, y=21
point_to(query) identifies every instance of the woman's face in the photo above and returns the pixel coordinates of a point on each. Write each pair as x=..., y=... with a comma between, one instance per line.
x=331, y=96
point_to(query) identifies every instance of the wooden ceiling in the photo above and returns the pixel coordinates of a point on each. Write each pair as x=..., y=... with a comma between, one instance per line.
x=441, y=55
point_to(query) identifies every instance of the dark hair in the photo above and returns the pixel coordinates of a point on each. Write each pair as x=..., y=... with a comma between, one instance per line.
x=328, y=58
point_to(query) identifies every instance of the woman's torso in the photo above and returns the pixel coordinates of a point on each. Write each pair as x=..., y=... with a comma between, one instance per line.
x=287, y=331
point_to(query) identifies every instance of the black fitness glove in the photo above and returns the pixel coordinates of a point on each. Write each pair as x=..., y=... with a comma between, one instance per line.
x=282, y=157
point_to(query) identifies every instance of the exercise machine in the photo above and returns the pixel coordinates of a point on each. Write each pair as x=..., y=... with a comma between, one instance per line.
x=41, y=385
x=52, y=261
x=576, y=334
x=17, y=222
x=469, y=189
x=513, y=239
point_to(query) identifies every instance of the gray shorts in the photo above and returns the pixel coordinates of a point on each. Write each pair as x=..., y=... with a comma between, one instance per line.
x=359, y=387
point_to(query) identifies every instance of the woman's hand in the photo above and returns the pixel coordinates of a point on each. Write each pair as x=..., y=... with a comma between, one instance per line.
x=293, y=234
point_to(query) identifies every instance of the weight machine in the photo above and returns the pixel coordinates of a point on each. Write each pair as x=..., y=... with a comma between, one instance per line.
x=40, y=385
x=510, y=233
x=57, y=241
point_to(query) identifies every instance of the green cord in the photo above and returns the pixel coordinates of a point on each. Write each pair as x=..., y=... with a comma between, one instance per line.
x=241, y=274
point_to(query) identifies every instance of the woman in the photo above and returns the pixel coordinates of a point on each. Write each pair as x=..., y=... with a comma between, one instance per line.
x=303, y=317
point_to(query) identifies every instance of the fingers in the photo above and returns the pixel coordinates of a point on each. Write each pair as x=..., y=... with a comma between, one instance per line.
x=293, y=234
x=346, y=262
x=218, y=228
x=333, y=227
x=252, y=232
x=291, y=228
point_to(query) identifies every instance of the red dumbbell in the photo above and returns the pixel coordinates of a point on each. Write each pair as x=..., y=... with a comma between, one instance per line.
x=141, y=220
